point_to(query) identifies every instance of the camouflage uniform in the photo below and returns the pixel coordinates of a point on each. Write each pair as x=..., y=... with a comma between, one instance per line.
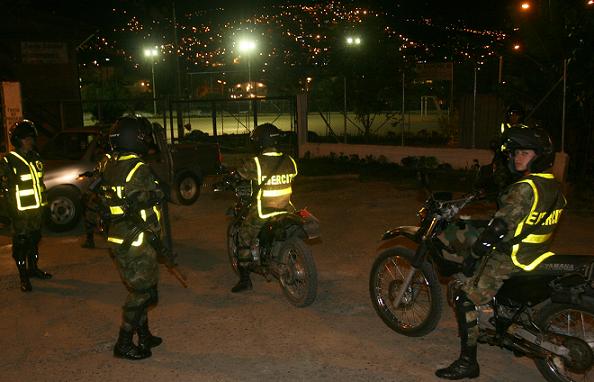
x=22, y=178
x=256, y=171
x=518, y=210
x=125, y=177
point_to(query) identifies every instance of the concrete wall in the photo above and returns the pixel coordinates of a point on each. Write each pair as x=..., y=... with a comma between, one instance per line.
x=458, y=158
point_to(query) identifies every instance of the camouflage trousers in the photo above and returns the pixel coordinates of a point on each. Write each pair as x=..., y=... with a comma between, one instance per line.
x=248, y=232
x=498, y=268
x=25, y=222
x=26, y=235
x=91, y=212
x=139, y=271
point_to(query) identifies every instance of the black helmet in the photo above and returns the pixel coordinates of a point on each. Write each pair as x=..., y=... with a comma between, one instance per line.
x=517, y=109
x=517, y=138
x=130, y=133
x=22, y=130
x=265, y=135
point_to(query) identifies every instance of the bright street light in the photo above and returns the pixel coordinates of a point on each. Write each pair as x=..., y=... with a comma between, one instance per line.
x=151, y=53
x=525, y=6
x=246, y=46
x=353, y=40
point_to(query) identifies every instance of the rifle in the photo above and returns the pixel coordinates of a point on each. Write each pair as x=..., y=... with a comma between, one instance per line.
x=166, y=245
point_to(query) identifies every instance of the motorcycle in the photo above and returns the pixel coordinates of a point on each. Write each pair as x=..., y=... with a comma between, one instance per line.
x=280, y=250
x=546, y=314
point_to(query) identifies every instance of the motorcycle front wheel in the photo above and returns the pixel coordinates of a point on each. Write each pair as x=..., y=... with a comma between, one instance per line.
x=298, y=276
x=573, y=321
x=420, y=308
x=232, y=240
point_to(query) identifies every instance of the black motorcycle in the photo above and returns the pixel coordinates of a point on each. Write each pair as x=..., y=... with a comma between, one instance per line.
x=281, y=251
x=546, y=314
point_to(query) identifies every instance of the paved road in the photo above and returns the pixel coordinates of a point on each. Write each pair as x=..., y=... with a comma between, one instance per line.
x=65, y=329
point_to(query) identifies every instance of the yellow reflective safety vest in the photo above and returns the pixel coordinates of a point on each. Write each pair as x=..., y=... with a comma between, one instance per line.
x=534, y=248
x=277, y=171
x=26, y=188
x=117, y=174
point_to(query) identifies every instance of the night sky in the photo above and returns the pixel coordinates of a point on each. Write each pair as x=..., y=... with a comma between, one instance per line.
x=477, y=13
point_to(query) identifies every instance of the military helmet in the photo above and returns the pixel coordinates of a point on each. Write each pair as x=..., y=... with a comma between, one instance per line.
x=130, y=133
x=265, y=135
x=518, y=138
x=22, y=130
x=517, y=109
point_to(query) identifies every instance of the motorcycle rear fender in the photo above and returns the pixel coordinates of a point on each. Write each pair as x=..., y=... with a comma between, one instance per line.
x=283, y=227
x=407, y=231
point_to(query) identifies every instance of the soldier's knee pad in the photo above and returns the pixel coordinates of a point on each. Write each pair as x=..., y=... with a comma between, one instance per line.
x=465, y=309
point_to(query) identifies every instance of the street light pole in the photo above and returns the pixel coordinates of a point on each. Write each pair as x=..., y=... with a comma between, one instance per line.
x=350, y=42
x=345, y=107
x=154, y=88
x=247, y=46
x=151, y=54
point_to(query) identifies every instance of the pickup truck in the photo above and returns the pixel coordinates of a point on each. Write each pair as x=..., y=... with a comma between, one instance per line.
x=183, y=167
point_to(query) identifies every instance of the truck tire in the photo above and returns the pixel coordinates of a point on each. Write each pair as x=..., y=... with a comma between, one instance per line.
x=187, y=188
x=64, y=209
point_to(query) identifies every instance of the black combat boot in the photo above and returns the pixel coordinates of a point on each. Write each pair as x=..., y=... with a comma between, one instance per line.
x=19, y=254
x=24, y=276
x=125, y=348
x=146, y=340
x=244, y=280
x=34, y=271
x=466, y=366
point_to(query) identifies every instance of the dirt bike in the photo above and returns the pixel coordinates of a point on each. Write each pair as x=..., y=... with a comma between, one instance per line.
x=280, y=251
x=546, y=314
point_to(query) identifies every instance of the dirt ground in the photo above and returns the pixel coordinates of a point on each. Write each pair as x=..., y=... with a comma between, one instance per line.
x=65, y=329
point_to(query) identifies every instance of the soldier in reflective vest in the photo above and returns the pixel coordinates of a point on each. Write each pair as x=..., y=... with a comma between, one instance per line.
x=518, y=238
x=272, y=174
x=21, y=172
x=497, y=176
x=132, y=194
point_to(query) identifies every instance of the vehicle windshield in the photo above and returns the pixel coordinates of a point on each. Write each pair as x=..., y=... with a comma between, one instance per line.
x=68, y=146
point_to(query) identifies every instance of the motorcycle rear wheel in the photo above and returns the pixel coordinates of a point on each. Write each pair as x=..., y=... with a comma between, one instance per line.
x=232, y=240
x=420, y=309
x=299, y=276
x=569, y=320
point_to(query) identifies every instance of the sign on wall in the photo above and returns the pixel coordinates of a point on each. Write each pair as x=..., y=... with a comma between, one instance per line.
x=12, y=108
x=44, y=52
x=442, y=71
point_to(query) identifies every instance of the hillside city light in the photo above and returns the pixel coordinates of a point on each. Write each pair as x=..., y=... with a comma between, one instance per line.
x=151, y=53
